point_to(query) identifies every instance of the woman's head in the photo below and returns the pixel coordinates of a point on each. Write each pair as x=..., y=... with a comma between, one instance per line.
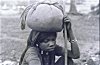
x=47, y=41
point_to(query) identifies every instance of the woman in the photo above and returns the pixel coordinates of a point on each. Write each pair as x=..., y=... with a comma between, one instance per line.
x=42, y=49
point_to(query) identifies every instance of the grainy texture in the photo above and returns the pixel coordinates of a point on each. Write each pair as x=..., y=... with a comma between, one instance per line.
x=86, y=29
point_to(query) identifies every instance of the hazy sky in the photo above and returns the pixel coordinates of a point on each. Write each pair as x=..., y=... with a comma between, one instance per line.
x=87, y=1
x=51, y=0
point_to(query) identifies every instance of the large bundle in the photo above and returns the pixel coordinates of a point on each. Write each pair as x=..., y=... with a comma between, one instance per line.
x=45, y=17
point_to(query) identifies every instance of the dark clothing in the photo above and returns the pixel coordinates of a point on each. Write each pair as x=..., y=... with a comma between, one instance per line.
x=34, y=57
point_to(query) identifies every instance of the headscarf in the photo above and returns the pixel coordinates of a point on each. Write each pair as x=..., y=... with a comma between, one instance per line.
x=38, y=37
x=43, y=35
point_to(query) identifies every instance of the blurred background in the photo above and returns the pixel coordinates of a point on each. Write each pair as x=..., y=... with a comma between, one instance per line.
x=84, y=15
x=17, y=6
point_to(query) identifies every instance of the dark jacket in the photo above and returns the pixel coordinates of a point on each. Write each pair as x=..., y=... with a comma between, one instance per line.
x=33, y=56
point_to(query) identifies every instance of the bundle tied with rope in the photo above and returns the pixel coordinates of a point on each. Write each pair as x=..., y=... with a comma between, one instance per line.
x=43, y=17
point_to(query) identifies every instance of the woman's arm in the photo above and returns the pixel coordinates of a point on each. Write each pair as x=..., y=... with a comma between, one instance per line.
x=74, y=52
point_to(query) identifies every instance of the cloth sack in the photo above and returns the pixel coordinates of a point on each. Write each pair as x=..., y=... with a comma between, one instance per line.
x=45, y=17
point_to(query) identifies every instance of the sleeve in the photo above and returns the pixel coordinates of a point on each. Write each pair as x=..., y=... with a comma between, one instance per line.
x=32, y=57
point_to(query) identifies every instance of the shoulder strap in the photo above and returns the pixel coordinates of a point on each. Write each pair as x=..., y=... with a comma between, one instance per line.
x=22, y=56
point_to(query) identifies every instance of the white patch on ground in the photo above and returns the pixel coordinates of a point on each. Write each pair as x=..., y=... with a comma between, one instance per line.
x=8, y=62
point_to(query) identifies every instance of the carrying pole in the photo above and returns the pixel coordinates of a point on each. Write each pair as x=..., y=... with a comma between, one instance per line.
x=65, y=40
x=65, y=34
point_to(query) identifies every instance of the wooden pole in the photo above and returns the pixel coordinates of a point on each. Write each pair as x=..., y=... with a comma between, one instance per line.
x=65, y=34
x=65, y=40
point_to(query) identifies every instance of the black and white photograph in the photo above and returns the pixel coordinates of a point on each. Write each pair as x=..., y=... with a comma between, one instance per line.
x=49, y=32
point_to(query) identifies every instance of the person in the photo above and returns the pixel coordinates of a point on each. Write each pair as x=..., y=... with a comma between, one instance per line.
x=42, y=49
